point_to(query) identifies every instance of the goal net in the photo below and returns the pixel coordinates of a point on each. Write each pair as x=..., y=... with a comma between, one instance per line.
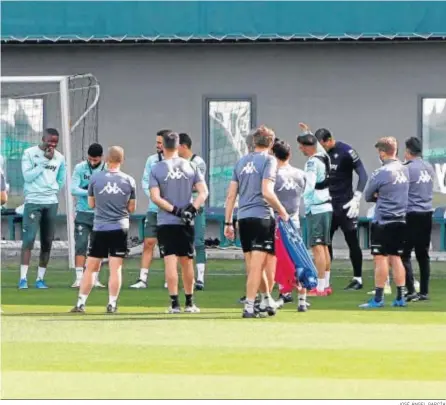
x=28, y=106
x=229, y=125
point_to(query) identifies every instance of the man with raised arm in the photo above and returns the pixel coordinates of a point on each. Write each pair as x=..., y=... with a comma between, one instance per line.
x=344, y=160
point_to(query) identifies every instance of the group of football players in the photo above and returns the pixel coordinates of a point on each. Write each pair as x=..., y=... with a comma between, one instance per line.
x=265, y=186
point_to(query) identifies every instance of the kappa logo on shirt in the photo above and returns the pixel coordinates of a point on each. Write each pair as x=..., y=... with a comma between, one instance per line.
x=176, y=174
x=249, y=168
x=111, y=189
x=400, y=178
x=288, y=185
x=425, y=177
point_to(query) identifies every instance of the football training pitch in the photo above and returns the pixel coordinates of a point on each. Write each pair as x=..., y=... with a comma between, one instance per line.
x=335, y=350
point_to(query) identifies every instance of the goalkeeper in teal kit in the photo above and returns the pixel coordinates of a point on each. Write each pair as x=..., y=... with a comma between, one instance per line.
x=185, y=151
x=83, y=224
x=44, y=172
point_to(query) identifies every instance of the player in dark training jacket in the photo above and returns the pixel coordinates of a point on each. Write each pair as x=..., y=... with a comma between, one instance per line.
x=344, y=160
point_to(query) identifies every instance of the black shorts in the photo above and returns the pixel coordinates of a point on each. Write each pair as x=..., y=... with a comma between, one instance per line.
x=257, y=234
x=341, y=220
x=418, y=230
x=108, y=243
x=176, y=240
x=388, y=239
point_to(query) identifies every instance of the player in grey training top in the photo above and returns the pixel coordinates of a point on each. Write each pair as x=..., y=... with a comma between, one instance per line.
x=176, y=179
x=171, y=184
x=112, y=195
x=390, y=182
x=289, y=187
x=253, y=180
x=112, y=191
x=388, y=186
x=418, y=219
x=249, y=172
x=290, y=182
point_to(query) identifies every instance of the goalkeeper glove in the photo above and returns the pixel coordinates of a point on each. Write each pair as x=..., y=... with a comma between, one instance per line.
x=188, y=214
x=178, y=212
x=353, y=205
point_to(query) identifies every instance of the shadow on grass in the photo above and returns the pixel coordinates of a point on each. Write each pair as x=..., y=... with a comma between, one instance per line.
x=134, y=316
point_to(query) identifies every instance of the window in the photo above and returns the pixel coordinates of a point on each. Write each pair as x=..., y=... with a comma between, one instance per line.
x=21, y=127
x=433, y=132
x=228, y=122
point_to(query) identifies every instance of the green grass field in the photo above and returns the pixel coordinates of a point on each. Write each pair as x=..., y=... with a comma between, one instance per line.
x=334, y=350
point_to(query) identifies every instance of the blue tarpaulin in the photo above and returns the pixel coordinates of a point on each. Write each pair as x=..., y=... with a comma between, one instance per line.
x=121, y=21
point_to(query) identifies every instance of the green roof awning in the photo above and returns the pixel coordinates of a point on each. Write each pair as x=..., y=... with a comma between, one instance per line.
x=153, y=21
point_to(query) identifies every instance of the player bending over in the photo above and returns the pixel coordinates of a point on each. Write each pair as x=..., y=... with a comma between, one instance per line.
x=253, y=180
x=185, y=151
x=83, y=224
x=172, y=182
x=289, y=186
x=150, y=232
x=44, y=172
x=318, y=210
x=388, y=186
x=344, y=160
x=112, y=195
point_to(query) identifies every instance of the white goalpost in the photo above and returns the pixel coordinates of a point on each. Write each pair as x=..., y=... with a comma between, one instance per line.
x=60, y=100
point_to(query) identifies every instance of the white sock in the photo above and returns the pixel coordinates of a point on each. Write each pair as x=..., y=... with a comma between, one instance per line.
x=112, y=300
x=271, y=302
x=249, y=306
x=302, y=297
x=388, y=282
x=23, y=271
x=267, y=300
x=95, y=277
x=41, y=273
x=358, y=279
x=143, y=274
x=79, y=273
x=320, y=284
x=81, y=300
x=327, y=279
x=200, y=271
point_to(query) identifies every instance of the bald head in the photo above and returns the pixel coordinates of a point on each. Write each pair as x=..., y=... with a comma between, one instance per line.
x=115, y=155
